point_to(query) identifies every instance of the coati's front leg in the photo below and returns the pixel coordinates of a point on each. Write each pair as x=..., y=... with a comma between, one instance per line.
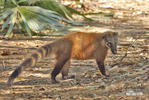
x=100, y=57
x=101, y=67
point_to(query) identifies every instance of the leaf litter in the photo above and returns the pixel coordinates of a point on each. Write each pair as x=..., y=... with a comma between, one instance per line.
x=128, y=70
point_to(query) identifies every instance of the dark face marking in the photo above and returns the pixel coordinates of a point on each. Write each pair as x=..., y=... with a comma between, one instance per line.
x=111, y=40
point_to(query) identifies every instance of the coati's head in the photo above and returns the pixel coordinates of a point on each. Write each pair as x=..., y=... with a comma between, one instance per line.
x=111, y=40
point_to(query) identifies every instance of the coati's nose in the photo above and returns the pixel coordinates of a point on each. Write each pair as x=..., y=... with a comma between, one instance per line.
x=114, y=52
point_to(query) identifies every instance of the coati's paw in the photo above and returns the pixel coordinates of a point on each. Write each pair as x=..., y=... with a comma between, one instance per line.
x=10, y=82
x=55, y=82
x=64, y=77
x=68, y=77
x=107, y=75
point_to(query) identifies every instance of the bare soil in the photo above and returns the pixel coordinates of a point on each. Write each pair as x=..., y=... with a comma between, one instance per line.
x=128, y=70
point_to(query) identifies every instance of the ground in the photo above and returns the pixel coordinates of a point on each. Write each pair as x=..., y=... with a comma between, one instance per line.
x=128, y=70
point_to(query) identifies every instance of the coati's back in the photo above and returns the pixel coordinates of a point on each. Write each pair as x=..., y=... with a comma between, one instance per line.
x=83, y=44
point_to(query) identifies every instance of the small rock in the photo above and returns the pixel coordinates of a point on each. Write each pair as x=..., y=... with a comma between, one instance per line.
x=42, y=89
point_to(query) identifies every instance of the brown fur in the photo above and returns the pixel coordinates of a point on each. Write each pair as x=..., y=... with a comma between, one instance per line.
x=77, y=45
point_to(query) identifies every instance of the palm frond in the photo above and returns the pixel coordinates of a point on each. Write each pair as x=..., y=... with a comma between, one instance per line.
x=13, y=20
x=5, y=14
x=26, y=26
x=55, y=6
x=51, y=14
x=2, y=2
x=34, y=19
x=7, y=22
x=14, y=2
x=28, y=1
x=37, y=20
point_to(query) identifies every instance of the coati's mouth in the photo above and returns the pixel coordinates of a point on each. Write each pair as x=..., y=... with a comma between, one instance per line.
x=114, y=51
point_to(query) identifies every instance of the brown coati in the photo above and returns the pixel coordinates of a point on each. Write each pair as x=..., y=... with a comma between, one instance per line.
x=77, y=45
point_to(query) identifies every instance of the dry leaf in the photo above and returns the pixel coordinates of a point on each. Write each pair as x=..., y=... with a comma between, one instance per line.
x=5, y=52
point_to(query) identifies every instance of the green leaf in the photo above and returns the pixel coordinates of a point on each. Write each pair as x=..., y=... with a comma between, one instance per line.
x=11, y=26
x=20, y=1
x=38, y=18
x=25, y=24
x=36, y=25
x=2, y=2
x=14, y=2
x=5, y=14
x=51, y=14
x=55, y=6
x=7, y=22
x=28, y=1
x=32, y=19
x=77, y=12
x=27, y=29
x=51, y=21
x=46, y=15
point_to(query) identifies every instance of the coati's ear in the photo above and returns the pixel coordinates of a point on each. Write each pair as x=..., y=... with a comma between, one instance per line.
x=105, y=35
x=115, y=33
x=109, y=33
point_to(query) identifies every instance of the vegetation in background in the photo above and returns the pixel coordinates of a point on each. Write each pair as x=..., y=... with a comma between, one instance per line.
x=34, y=15
x=38, y=15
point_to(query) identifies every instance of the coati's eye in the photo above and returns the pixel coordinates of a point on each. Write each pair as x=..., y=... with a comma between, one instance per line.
x=109, y=44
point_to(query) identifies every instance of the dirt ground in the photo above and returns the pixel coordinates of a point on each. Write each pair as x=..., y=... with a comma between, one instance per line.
x=128, y=70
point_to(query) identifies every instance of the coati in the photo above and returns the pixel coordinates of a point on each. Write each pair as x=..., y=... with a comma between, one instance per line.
x=77, y=45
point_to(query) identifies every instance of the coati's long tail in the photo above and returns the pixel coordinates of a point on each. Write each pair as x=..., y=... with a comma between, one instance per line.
x=30, y=61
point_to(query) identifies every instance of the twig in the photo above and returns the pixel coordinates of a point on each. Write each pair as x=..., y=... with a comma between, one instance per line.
x=121, y=59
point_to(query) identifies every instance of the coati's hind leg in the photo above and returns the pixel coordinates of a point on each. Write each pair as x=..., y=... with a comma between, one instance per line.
x=63, y=54
x=65, y=70
x=58, y=67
